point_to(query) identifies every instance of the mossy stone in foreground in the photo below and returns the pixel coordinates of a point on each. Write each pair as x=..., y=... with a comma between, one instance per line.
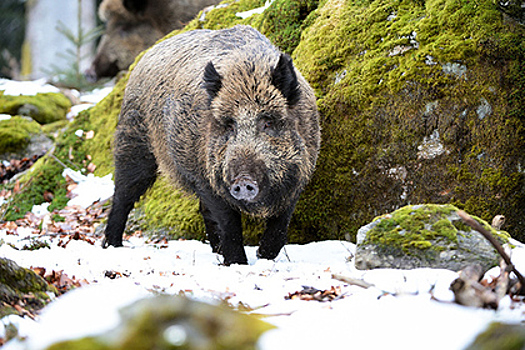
x=18, y=283
x=43, y=107
x=424, y=236
x=500, y=336
x=174, y=322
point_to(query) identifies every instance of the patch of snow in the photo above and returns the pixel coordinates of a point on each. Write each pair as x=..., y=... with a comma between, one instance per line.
x=76, y=109
x=96, y=95
x=90, y=188
x=429, y=61
x=5, y=117
x=40, y=209
x=259, y=10
x=202, y=18
x=31, y=88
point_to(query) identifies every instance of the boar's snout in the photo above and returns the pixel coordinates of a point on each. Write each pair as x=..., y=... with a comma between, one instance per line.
x=244, y=188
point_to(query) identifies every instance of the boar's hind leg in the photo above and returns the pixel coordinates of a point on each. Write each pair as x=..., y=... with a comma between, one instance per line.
x=275, y=235
x=135, y=172
x=224, y=230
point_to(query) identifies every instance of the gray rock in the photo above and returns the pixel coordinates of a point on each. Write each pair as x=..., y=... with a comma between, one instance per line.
x=424, y=236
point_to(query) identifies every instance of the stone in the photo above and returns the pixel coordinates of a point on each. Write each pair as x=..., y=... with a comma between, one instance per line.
x=19, y=284
x=424, y=236
x=175, y=322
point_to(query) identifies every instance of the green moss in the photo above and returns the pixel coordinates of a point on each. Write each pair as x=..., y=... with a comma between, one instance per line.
x=171, y=209
x=15, y=133
x=43, y=107
x=500, y=336
x=378, y=105
x=423, y=227
x=415, y=227
x=146, y=323
x=20, y=284
x=44, y=176
x=284, y=21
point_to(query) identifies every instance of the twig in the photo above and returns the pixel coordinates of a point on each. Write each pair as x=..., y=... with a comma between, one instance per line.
x=58, y=160
x=286, y=254
x=477, y=226
x=352, y=281
x=502, y=284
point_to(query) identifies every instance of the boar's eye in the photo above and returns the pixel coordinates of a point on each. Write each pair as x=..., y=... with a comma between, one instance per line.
x=229, y=126
x=268, y=125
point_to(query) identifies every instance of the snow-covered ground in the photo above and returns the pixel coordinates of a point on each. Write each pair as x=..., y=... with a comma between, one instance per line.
x=408, y=309
x=405, y=309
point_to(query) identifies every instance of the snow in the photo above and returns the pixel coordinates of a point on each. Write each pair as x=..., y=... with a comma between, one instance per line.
x=90, y=188
x=258, y=10
x=29, y=88
x=411, y=308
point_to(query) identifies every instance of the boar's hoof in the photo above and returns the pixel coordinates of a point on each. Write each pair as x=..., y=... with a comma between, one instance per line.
x=244, y=188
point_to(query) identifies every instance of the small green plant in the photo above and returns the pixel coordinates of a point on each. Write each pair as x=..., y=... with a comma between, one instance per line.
x=72, y=76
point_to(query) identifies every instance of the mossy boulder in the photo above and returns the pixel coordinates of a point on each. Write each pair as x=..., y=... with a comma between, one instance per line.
x=500, y=336
x=21, y=287
x=43, y=107
x=420, y=101
x=22, y=137
x=425, y=236
x=174, y=322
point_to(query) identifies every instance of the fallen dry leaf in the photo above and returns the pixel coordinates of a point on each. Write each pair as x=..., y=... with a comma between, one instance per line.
x=311, y=293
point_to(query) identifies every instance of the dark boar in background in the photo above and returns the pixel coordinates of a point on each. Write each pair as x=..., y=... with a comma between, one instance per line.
x=134, y=25
x=226, y=116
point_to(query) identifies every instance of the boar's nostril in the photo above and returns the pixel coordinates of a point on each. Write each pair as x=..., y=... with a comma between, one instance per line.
x=244, y=188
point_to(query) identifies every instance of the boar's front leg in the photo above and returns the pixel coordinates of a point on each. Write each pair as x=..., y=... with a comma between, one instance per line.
x=275, y=235
x=224, y=230
x=135, y=172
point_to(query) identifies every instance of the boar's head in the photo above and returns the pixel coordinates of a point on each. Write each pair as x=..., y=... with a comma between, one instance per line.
x=256, y=156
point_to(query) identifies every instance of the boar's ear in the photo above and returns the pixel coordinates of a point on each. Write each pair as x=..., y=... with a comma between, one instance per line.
x=135, y=6
x=212, y=80
x=284, y=79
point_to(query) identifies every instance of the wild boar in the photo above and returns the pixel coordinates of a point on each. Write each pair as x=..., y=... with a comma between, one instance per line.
x=134, y=25
x=226, y=116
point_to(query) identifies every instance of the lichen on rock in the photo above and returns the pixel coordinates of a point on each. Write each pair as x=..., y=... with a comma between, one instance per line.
x=424, y=236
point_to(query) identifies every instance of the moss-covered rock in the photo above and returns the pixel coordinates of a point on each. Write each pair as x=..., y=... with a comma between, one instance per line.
x=421, y=102
x=43, y=107
x=44, y=176
x=22, y=137
x=425, y=236
x=18, y=284
x=500, y=336
x=173, y=322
